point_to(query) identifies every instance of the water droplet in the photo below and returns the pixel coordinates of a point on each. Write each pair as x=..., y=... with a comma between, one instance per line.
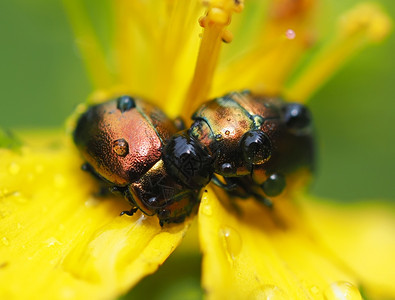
x=290, y=34
x=342, y=290
x=227, y=168
x=269, y=292
x=231, y=241
x=227, y=132
x=14, y=168
x=125, y=103
x=51, y=242
x=5, y=241
x=218, y=137
x=120, y=147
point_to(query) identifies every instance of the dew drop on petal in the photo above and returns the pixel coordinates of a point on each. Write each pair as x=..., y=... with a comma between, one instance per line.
x=52, y=241
x=231, y=241
x=290, y=34
x=342, y=290
x=269, y=292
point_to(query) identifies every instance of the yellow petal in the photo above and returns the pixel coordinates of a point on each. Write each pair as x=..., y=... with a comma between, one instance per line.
x=264, y=254
x=363, y=235
x=268, y=44
x=72, y=243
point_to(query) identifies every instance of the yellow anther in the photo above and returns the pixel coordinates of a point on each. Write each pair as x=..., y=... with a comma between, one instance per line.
x=226, y=5
x=203, y=21
x=218, y=16
x=227, y=36
x=239, y=6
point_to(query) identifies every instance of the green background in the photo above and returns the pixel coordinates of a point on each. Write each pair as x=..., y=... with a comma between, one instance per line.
x=42, y=79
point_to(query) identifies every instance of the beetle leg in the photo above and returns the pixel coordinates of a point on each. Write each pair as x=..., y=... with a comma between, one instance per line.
x=226, y=186
x=88, y=168
x=129, y=212
x=116, y=190
x=247, y=190
x=265, y=201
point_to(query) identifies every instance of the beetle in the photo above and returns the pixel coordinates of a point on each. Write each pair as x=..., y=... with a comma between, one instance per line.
x=253, y=142
x=121, y=141
x=256, y=142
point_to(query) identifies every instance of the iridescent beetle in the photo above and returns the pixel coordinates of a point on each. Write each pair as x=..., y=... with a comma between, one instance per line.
x=252, y=142
x=255, y=141
x=122, y=141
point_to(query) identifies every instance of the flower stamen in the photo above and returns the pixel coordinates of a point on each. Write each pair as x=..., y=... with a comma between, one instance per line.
x=217, y=18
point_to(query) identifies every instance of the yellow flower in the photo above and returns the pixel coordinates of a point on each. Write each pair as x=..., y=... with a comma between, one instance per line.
x=59, y=240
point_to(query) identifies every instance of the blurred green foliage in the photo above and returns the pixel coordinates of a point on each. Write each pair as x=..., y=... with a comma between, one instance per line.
x=42, y=79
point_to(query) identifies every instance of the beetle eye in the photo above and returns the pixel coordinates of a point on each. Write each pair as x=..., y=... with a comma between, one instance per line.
x=256, y=147
x=297, y=116
x=125, y=103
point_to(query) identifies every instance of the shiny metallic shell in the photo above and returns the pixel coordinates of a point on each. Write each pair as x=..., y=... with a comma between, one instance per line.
x=122, y=146
x=221, y=123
